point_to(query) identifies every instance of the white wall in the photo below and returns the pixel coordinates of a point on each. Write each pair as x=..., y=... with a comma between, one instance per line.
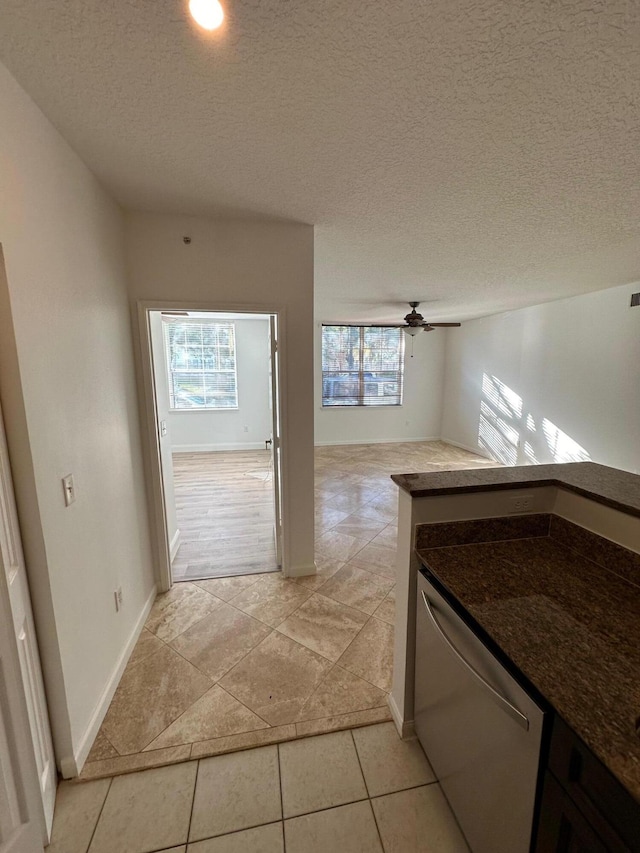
x=418, y=418
x=560, y=382
x=244, y=428
x=236, y=266
x=68, y=392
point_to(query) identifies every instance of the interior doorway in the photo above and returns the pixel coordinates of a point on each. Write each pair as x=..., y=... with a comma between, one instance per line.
x=217, y=415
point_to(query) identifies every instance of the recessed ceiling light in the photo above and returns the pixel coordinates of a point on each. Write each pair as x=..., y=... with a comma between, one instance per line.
x=209, y=14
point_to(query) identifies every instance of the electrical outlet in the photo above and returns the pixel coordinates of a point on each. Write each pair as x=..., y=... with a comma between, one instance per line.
x=117, y=594
x=246, y=429
x=69, y=490
x=521, y=503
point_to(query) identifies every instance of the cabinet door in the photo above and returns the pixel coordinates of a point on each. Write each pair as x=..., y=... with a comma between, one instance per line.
x=562, y=828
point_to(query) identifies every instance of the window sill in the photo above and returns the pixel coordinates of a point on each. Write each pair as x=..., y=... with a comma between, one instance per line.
x=203, y=411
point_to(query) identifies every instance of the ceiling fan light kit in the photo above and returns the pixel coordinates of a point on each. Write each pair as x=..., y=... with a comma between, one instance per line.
x=415, y=322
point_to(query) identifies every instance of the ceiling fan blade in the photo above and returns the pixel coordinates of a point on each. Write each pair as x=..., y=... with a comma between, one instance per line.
x=444, y=325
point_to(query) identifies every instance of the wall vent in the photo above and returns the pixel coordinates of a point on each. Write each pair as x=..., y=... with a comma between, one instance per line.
x=635, y=300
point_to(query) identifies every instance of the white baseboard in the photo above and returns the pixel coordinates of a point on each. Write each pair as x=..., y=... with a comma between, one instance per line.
x=71, y=766
x=479, y=451
x=405, y=728
x=174, y=545
x=375, y=441
x=301, y=571
x=207, y=448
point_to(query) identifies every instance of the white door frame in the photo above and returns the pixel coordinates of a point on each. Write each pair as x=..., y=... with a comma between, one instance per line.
x=151, y=431
x=24, y=827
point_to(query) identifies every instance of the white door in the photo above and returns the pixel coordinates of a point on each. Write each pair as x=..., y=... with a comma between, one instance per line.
x=276, y=449
x=19, y=603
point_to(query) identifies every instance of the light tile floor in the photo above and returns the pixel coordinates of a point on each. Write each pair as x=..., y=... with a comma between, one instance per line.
x=354, y=791
x=230, y=663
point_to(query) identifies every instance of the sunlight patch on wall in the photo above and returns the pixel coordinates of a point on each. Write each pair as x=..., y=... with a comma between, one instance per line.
x=562, y=447
x=512, y=436
x=499, y=408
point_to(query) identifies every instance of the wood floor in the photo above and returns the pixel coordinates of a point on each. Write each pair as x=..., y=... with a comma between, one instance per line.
x=224, y=503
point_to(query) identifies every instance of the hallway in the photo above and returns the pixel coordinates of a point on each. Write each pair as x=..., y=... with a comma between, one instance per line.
x=229, y=663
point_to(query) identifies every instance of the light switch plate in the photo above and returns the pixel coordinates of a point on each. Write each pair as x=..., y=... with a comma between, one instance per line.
x=69, y=490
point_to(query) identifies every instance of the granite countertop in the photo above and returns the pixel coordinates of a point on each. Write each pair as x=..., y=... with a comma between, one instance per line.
x=618, y=489
x=570, y=624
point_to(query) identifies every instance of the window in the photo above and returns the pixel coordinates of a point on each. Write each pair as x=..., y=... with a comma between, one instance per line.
x=201, y=364
x=362, y=366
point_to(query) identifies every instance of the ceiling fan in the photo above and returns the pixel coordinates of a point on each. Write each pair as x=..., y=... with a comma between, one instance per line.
x=414, y=323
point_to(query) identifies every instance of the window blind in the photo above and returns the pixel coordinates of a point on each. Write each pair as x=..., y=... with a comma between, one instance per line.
x=201, y=364
x=362, y=366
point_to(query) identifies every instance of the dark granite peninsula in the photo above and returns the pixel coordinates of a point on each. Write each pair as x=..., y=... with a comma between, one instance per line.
x=554, y=593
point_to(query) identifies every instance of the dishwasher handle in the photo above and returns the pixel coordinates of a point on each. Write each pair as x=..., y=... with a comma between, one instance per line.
x=504, y=703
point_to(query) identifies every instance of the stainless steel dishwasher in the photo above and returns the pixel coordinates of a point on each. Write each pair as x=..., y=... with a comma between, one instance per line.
x=479, y=728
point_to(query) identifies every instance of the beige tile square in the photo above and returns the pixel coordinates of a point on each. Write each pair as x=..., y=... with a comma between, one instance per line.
x=342, y=692
x=219, y=641
x=360, y=526
x=346, y=829
x=261, y=839
x=388, y=538
x=326, y=568
x=324, y=626
x=376, y=559
x=146, y=811
x=357, y=588
x=375, y=510
x=271, y=599
x=319, y=773
x=151, y=695
x=214, y=715
x=338, y=546
x=101, y=748
x=180, y=608
x=236, y=791
x=276, y=678
x=370, y=655
x=345, y=501
x=386, y=503
x=227, y=588
x=147, y=644
x=76, y=815
x=418, y=821
x=387, y=610
x=390, y=764
x=326, y=518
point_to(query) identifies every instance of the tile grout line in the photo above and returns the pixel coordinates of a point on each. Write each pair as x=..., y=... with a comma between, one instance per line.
x=193, y=800
x=99, y=815
x=369, y=799
x=284, y=843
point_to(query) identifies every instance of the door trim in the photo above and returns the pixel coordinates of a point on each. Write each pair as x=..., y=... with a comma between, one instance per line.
x=151, y=427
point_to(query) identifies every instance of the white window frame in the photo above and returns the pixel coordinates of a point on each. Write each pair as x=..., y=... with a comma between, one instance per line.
x=202, y=371
x=364, y=398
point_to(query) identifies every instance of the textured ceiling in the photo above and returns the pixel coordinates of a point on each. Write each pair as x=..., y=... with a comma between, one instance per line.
x=476, y=155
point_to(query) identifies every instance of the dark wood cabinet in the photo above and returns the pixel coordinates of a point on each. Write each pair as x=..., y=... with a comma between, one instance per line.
x=584, y=808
